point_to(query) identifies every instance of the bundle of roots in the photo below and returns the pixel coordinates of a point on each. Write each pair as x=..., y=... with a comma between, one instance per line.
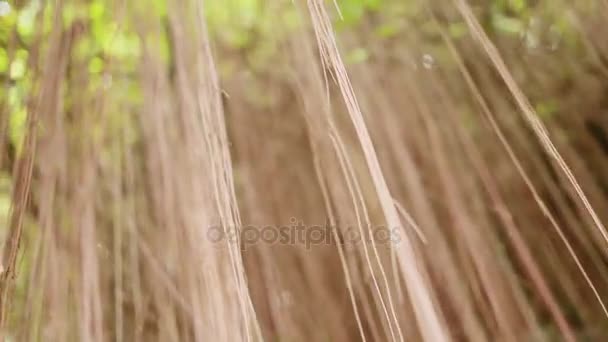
x=442, y=184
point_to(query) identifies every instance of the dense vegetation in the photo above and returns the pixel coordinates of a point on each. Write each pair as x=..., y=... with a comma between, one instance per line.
x=131, y=127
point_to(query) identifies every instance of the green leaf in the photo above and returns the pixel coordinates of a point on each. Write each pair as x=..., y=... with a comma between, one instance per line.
x=72, y=12
x=518, y=5
x=458, y=29
x=122, y=45
x=96, y=10
x=356, y=56
x=160, y=6
x=84, y=48
x=507, y=24
x=96, y=65
x=27, y=20
x=3, y=60
x=373, y=5
x=18, y=65
x=16, y=127
x=248, y=12
x=351, y=11
x=546, y=109
x=387, y=30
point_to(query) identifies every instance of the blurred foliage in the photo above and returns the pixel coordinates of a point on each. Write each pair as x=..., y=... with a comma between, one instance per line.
x=251, y=32
x=251, y=28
